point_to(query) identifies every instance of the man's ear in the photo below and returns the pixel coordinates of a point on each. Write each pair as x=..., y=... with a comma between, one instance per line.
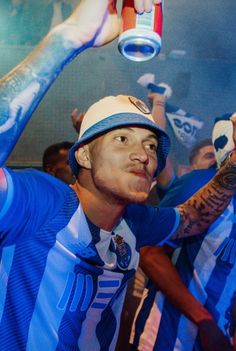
x=83, y=157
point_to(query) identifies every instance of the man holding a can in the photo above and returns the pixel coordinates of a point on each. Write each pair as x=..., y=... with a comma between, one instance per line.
x=68, y=252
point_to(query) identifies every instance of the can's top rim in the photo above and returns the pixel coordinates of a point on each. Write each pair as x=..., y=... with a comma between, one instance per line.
x=139, y=45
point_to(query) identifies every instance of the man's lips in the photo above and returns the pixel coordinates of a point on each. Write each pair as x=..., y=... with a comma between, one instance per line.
x=140, y=173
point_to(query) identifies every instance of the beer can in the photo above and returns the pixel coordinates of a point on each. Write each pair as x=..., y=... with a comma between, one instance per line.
x=140, y=34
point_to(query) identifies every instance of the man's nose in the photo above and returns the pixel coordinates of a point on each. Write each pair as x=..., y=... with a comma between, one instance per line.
x=139, y=153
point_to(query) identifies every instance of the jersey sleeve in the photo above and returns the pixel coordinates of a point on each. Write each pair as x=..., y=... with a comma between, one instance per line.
x=5, y=195
x=185, y=186
x=30, y=199
x=152, y=225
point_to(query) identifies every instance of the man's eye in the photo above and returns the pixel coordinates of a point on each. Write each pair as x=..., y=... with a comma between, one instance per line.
x=152, y=147
x=121, y=138
x=209, y=155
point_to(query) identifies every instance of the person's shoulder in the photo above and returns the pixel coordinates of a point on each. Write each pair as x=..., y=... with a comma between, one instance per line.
x=151, y=225
x=35, y=179
x=138, y=213
x=137, y=209
x=198, y=175
x=47, y=177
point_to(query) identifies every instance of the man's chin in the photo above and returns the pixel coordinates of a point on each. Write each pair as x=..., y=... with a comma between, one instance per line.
x=134, y=193
x=138, y=196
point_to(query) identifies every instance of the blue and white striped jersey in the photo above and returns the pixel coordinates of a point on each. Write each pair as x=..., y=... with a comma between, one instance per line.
x=206, y=264
x=63, y=279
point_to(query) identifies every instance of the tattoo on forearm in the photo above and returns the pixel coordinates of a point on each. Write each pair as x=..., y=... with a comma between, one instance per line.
x=226, y=177
x=24, y=87
x=208, y=203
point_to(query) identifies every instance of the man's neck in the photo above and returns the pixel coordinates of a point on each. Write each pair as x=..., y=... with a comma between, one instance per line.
x=101, y=211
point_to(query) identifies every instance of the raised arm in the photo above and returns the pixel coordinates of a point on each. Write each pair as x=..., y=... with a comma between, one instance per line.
x=76, y=119
x=200, y=210
x=158, y=100
x=209, y=202
x=93, y=23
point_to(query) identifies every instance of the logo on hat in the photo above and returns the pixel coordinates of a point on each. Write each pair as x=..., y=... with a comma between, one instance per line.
x=140, y=105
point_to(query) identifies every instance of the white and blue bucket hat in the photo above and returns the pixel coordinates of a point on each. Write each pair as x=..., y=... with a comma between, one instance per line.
x=114, y=112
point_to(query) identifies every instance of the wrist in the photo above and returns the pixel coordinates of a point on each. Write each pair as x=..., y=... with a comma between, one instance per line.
x=206, y=323
x=202, y=316
x=159, y=99
x=196, y=312
x=226, y=176
x=57, y=49
x=69, y=34
x=158, y=103
x=232, y=157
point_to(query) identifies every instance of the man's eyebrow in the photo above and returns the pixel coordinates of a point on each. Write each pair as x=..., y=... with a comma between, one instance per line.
x=152, y=136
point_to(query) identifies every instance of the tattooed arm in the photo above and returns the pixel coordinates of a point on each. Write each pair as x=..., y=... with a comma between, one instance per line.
x=91, y=24
x=209, y=202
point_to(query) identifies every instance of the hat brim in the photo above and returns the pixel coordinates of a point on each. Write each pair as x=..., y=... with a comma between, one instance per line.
x=118, y=121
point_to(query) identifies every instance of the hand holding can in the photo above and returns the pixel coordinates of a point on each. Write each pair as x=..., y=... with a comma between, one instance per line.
x=140, y=35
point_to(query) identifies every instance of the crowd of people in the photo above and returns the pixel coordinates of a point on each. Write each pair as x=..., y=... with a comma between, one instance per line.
x=106, y=206
x=188, y=302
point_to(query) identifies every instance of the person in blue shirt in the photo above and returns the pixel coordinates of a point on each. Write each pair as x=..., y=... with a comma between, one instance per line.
x=189, y=303
x=202, y=155
x=68, y=252
x=55, y=161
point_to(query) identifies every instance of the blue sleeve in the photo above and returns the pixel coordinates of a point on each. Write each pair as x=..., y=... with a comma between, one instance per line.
x=32, y=198
x=162, y=191
x=185, y=186
x=152, y=225
x=5, y=196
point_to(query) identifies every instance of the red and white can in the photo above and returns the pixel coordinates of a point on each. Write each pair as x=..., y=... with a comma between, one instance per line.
x=140, y=35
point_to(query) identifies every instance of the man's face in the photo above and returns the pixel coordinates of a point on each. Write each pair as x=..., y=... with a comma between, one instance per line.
x=205, y=158
x=123, y=163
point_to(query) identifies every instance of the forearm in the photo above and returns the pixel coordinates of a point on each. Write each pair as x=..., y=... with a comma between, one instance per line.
x=167, y=176
x=198, y=213
x=24, y=87
x=158, y=109
x=158, y=113
x=159, y=268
